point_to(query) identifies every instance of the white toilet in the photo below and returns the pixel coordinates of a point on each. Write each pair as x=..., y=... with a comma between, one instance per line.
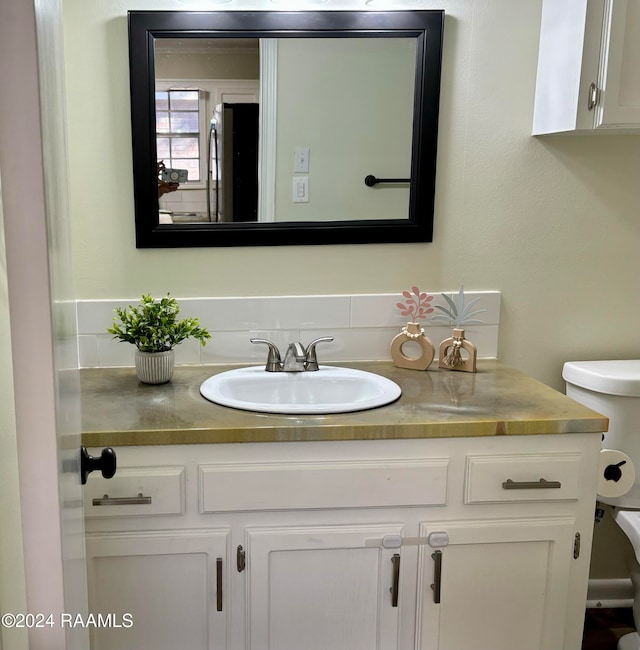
x=613, y=389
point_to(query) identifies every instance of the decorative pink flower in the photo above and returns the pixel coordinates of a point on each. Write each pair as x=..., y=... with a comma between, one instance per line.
x=416, y=305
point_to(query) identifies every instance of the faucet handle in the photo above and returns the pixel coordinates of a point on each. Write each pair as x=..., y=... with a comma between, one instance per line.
x=274, y=364
x=312, y=361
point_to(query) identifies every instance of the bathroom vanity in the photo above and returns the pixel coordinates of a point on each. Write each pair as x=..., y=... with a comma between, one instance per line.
x=458, y=517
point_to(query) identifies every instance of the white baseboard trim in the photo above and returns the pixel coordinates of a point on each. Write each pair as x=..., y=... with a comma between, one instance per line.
x=609, y=593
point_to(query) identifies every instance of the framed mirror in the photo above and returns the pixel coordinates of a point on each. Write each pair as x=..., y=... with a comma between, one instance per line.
x=275, y=128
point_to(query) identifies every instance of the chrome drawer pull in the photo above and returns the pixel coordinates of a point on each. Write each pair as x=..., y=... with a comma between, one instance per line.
x=437, y=576
x=542, y=484
x=395, y=560
x=106, y=500
x=219, y=584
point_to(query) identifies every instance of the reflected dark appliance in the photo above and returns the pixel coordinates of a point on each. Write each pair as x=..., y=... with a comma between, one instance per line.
x=237, y=174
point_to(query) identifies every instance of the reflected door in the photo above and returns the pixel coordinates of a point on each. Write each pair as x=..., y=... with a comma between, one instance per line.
x=238, y=172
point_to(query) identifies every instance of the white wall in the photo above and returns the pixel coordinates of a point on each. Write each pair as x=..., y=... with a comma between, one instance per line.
x=41, y=310
x=553, y=223
x=12, y=589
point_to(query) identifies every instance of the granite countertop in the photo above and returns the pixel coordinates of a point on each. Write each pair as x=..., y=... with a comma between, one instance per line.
x=117, y=409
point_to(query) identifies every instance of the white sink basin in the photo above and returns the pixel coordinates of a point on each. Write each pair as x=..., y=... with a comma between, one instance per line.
x=327, y=390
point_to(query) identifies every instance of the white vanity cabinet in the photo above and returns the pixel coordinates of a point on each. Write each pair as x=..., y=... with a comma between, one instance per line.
x=170, y=585
x=588, y=75
x=318, y=587
x=501, y=584
x=333, y=544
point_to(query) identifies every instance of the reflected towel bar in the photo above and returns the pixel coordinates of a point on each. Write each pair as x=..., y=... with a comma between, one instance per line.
x=371, y=180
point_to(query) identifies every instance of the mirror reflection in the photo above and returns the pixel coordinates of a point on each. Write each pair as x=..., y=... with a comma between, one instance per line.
x=340, y=110
x=272, y=128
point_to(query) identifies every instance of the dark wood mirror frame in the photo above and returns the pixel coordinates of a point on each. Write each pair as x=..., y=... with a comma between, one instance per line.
x=146, y=26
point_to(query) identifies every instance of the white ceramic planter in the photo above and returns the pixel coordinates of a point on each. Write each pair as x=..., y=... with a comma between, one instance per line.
x=155, y=367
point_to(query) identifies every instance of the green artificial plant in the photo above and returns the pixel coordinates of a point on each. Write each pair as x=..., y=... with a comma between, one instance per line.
x=152, y=326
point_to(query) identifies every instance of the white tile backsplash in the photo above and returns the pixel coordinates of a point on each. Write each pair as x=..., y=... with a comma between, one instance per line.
x=353, y=344
x=302, y=312
x=362, y=326
x=94, y=316
x=379, y=310
x=88, y=351
x=218, y=314
x=114, y=353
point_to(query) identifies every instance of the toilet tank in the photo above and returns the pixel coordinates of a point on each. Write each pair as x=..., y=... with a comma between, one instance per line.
x=613, y=389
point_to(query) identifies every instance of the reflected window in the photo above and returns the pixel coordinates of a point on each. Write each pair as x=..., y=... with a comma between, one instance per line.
x=178, y=118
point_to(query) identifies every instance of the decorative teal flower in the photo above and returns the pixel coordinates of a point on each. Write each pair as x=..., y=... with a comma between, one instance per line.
x=459, y=314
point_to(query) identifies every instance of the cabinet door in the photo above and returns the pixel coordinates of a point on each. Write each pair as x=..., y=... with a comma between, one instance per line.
x=174, y=585
x=321, y=588
x=503, y=585
x=619, y=70
x=588, y=67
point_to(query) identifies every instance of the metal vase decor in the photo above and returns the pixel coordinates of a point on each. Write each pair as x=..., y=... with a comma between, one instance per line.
x=416, y=306
x=455, y=352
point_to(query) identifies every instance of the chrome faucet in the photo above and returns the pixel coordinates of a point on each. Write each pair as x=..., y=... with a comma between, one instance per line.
x=297, y=358
x=312, y=360
x=273, y=357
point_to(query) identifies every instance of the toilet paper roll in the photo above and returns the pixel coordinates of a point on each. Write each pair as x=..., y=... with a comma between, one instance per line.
x=616, y=474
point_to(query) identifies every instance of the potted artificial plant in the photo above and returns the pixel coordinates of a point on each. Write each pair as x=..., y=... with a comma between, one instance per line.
x=153, y=327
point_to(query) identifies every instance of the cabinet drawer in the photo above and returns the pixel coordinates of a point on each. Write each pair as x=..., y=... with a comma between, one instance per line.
x=330, y=484
x=136, y=491
x=534, y=477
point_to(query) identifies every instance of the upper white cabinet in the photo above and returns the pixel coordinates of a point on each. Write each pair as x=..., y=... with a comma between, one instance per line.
x=588, y=67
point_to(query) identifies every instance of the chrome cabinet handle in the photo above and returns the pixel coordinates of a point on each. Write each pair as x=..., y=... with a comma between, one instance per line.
x=592, y=96
x=219, y=584
x=106, y=500
x=241, y=559
x=437, y=575
x=396, y=579
x=542, y=484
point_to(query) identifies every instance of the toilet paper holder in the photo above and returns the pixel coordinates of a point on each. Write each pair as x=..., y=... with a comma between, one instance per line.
x=617, y=474
x=542, y=484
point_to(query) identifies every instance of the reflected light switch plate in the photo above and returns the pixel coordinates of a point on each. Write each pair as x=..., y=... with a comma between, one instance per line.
x=300, y=192
x=301, y=160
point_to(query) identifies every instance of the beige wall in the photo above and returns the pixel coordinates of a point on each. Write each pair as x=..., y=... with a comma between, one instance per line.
x=198, y=65
x=554, y=222
x=356, y=121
